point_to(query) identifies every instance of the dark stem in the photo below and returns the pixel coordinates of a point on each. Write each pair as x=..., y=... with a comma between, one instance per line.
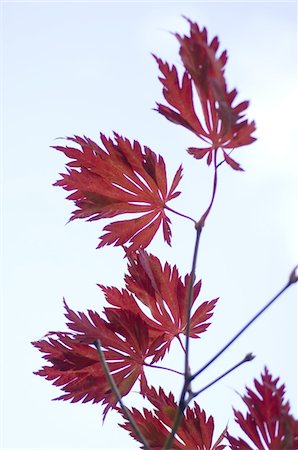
x=179, y=214
x=181, y=343
x=248, y=357
x=117, y=394
x=190, y=300
x=187, y=375
x=218, y=354
x=177, y=420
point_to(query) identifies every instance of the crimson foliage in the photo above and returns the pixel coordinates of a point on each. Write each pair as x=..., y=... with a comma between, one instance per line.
x=117, y=179
x=129, y=336
x=140, y=321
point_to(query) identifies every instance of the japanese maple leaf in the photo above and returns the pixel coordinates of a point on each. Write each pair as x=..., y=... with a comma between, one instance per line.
x=164, y=295
x=120, y=178
x=194, y=433
x=223, y=126
x=75, y=364
x=268, y=423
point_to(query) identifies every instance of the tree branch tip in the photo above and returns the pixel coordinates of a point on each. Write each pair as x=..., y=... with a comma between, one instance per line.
x=249, y=357
x=294, y=275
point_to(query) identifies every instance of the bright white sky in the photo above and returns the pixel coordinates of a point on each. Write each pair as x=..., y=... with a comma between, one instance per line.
x=81, y=68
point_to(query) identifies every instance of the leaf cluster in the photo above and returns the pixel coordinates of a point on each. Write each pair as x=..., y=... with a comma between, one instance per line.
x=119, y=177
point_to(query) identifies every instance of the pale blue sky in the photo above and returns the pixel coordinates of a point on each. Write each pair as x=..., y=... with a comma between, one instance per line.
x=81, y=68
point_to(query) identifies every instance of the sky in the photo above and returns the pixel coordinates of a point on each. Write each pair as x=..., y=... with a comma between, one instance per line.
x=84, y=68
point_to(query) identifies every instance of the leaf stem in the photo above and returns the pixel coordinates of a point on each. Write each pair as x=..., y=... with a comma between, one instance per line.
x=117, y=394
x=179, y=214
x=181, y=343
x=164, y=368
x=248, y=324
x=206, y=213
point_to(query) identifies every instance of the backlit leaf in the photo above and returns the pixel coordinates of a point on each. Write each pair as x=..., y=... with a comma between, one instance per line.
x=268, y=423
x=120, y=178
x=195, y=432
x=222, y=125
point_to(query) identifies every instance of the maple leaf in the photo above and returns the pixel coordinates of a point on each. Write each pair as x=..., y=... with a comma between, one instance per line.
x=268, y=422
x=121, y=178
x=75, y=363
x=194, y=433
x=130, y=339
x=74, y=366
x=164, y=295
x=223, y=125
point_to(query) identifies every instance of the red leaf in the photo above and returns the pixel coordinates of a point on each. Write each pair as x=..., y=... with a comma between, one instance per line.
x=268, y=423
x=222, y=125
x=75, y=365
x=201, y=62
x=198, y=153
x=232, y=163
x=118, y=179
x=164, y=295
x=180, y=97
x=195, y=431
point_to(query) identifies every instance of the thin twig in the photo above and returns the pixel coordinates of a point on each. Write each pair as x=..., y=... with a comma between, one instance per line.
x=293, y=278
x=117, y=394
x=248, y=357
x=218, y=354
x=223, y=161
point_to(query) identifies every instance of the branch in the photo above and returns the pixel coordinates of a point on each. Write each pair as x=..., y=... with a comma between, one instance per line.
x=292, y=279
x=247, y=358
x=190, y=298
x=117, y=394
x=177, y=420
x=187, y=375
x=179, y=416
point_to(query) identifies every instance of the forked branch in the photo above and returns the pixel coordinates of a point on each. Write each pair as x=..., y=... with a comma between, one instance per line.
x=292, y=280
